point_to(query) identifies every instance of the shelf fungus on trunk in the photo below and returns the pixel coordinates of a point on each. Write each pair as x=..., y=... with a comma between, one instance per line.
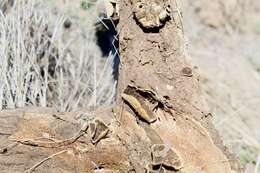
x=152, y=14
x=166, y=158
x=98, y=130
x=145, y=102
x=138, y=108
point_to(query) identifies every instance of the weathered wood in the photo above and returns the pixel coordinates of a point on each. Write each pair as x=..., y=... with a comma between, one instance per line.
x=155, y=71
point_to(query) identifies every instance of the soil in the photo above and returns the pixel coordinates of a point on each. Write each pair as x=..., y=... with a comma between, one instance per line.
x=227, y=57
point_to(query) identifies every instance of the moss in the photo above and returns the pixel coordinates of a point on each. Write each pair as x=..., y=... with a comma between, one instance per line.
x=246, y=157
x=85, y=4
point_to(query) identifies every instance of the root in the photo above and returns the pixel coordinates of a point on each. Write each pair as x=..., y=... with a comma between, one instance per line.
x=44, y=160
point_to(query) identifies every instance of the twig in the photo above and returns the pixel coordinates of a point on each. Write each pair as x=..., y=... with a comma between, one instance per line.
x=115, y=116
x=257, y=164
x=5, y=134
x=62, y=119
x=56, y=144
x=122, y=110
x=5, y=149
x=96, y=166
x=179, y=15
x=44, y=160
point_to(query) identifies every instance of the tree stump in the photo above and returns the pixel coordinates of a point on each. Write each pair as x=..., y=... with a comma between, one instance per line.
x=157, y=125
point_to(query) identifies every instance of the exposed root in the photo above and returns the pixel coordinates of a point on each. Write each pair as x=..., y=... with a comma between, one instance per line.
x=44, y=160
x=55, y=144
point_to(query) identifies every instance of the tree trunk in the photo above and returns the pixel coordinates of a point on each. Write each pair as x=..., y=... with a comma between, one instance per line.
x=158, y=124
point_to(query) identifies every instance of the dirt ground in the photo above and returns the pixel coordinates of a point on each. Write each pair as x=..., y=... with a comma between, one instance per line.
x=223, y=40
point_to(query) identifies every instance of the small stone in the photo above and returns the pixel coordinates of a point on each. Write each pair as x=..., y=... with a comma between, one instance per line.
x=67, y=24
x=187, y=71
x=169, y=87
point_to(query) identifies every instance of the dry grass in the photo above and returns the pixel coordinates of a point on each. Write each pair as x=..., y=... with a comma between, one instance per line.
x=43, y=65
